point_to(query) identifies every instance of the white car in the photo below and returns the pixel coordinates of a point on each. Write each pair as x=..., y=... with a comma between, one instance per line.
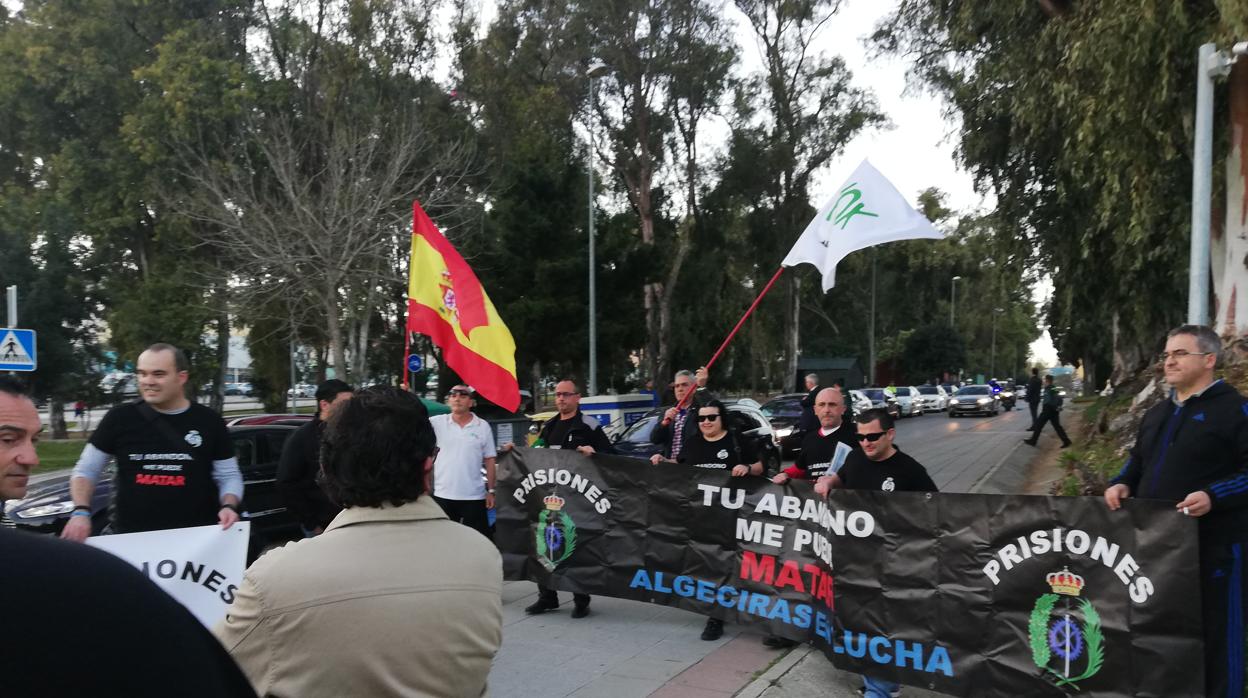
x=860, y=402
x=934, y=398
x=908, y=401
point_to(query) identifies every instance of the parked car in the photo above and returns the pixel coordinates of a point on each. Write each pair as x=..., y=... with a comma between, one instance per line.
x=859, y=401
x=934, y=398
x=881, y=399
x=908, y=401
x=784, y=412
x=745, y=421
x=302, y=390
x=47, y=505
x=261, y=419
x=974, y=399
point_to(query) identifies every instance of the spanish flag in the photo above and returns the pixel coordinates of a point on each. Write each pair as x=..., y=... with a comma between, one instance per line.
x=446, y=302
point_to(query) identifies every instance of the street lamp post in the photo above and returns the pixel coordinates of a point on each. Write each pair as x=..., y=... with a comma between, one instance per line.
x=992, y=365
x=952, y=286
x=596, y=69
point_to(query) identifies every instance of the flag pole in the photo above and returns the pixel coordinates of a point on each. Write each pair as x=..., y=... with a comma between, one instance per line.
x=775, y=277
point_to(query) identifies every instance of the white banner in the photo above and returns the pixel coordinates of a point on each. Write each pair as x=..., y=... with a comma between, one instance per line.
x=201, y=567
x=867, y=210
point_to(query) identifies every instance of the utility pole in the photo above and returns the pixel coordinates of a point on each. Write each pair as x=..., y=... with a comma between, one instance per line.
x=1210, y=64
x=596, y=69
x=871, y=325
x=12, y=298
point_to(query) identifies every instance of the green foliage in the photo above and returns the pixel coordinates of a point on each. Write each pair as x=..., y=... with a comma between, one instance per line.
x=931, y=351
x=1077, y=116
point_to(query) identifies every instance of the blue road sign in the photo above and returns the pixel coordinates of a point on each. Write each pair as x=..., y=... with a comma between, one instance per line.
x=17, y=350
x=414, y=363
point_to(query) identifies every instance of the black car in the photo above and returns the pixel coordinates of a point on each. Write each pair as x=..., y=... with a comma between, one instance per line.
x=785, y=414
x=47, y=505
x=744, y=420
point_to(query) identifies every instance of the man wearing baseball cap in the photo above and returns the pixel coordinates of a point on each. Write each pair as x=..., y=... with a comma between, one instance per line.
x=465, y=448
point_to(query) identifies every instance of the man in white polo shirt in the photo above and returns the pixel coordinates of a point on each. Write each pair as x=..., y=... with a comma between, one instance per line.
x=465, y=444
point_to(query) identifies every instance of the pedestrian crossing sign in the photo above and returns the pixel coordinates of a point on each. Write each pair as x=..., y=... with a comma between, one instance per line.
x=17, y=350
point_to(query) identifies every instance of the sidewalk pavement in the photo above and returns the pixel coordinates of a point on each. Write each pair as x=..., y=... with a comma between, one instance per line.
x=631, y=649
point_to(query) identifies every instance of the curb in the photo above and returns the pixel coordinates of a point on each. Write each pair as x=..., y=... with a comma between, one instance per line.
x=773, y=675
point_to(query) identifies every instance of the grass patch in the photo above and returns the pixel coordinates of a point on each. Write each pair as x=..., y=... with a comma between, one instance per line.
x=58, y=455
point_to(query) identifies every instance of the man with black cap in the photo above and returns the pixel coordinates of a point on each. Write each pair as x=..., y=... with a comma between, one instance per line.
x=465, y=447
x=301, y=461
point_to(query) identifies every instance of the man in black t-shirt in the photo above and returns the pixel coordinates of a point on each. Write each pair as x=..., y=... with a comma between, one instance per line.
x=301, y=462
x=572, y=429
x=881, y=466
x=175, y=463
x=824, y=449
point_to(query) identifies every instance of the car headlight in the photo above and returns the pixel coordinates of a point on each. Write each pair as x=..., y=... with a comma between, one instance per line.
x=1007, y=394
x=954, y=401
x=984, y=400
x=784, y=432
x=46, y=510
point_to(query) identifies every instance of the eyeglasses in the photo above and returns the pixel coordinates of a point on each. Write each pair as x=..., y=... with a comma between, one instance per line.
x=872, y=437
x=707, y=417
x=565, y=394
x=464, y=393
x=1179, y=354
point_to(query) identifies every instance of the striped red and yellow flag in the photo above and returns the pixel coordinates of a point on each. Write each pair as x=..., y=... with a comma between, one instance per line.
x=446, y=302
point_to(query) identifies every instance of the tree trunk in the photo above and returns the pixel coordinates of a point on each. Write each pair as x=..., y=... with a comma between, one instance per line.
x=364, y=322
x=792, y=333
x=56, y=419
x=663, y=361
x=333, y=324
x=1229, y=253
x=217, y=401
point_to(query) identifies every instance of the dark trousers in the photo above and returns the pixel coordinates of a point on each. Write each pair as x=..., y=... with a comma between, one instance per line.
x=1054, y=416
x=1035, y=413
x=1223, y=590
x=469, y=512
x=552, y=596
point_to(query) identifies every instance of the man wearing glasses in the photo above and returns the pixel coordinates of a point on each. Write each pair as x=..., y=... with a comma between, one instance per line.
x=881, y=466
x=572, y=430
x=676, y=427
x=1192, y=449
x=465, y=447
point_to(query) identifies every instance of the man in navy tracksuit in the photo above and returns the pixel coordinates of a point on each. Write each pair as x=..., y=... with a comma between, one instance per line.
x=1193, y=449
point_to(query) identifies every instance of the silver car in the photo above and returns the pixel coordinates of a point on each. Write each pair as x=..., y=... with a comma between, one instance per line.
x=908, y=401
x=974, y=399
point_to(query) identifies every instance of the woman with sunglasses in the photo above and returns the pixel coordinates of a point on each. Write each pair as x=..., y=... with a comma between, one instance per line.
x=715, y=447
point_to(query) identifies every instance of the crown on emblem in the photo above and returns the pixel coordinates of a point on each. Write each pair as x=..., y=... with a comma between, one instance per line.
x=1065, y=582
x=553, y=502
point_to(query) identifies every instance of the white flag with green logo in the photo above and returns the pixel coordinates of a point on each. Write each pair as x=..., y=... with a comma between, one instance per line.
x=867, y=210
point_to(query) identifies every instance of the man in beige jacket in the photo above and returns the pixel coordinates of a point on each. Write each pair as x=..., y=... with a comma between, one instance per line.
x=393, y=598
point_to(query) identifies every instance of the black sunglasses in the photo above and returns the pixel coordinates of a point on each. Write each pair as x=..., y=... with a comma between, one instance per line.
x=707, y=417
x=872, y=437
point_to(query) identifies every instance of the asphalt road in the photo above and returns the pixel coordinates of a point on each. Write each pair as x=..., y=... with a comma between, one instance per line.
x=963, y=452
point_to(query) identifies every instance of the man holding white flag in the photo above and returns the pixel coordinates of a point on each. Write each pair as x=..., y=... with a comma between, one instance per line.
x=867, y=210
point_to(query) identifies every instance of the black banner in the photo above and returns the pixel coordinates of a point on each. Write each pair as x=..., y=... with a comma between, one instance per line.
x=961, y=593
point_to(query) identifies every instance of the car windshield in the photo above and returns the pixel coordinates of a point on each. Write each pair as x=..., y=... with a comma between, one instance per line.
x=928, y=390
x=903, y=391
x=975, y=390
x=874, y=393
x=783, y=408
x=640, y=430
